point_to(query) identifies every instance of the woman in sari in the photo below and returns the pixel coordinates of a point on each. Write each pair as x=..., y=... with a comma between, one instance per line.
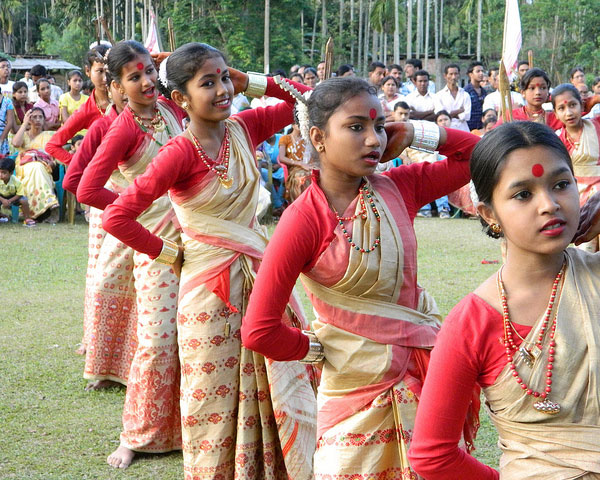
x=34, y=165
x=292, y=155
x=582, y=139
x=21, y=103
x=242, y=416
x=528, y=335
x=151, y=419
x=351, y=237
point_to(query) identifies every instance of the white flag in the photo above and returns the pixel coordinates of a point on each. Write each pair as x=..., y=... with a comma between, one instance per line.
x=151, y=43
x=511, y=44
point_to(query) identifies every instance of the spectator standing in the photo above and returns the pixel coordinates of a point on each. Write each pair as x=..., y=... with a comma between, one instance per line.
x=413, y=65
x=37, y=72
x=321, y=70
x=454, y=99
x=477, y=94
x=376, y=74
x=492, y=100
x=6, y=85
x=421, y=100
x=395, y=71
x=27, y=79
x=55, y=90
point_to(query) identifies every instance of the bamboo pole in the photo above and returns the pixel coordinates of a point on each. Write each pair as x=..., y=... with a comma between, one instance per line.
x=329, y=58
x=172, y=43
x=107, y=30
x=505, y=98
x=530, y=58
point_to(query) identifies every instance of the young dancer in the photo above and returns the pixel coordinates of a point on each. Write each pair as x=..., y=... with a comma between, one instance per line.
x=73, y=99
x=47, y=104
x=151, y=420
x=351, y=236
x=582, y=139
x=242, y=416
x=110, y=318
x=529, y=334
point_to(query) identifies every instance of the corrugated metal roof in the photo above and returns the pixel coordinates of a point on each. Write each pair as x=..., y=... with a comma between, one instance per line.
x=50, y=64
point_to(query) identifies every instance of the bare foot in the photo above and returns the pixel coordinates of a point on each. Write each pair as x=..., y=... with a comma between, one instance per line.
x=80, y=349
x=121, y=457
x=101, y=384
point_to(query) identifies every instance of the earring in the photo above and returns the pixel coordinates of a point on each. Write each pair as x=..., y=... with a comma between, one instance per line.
x=320, y=148
x=495, y=228
x=184, y=105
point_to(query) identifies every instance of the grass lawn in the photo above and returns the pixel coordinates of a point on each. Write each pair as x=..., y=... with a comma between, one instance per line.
x=53, y=429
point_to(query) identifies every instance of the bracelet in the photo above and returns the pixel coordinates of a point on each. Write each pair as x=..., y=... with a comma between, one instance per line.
x=315, y=353
x=257, y=85
x=169, y=252
x=426, y=137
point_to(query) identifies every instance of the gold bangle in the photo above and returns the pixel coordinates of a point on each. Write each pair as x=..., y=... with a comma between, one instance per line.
x=168, y=253
x=257, y=85
x=426, y=137
x=316, y=352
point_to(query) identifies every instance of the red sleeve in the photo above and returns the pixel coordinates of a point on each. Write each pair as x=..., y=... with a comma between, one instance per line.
x=453, y=372
x=292, y=250
x=120, y=142
x=263, y=122
x=82, y=118
x=84, y=154
x=119, y=218
x=422, y=183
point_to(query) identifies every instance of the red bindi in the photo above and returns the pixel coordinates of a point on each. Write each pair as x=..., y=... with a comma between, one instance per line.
x=537, y=170
x=140, y=66
x=218, y=70
x=372, y=113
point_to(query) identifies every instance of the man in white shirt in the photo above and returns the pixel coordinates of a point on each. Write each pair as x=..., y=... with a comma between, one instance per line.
x=454, y=99
x=492, y=100
x=27, y=79
x=420, y=100
x=413, y=65
x=5, y=84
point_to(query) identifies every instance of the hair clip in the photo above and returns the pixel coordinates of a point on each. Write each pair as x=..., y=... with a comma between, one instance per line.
x=162, y=73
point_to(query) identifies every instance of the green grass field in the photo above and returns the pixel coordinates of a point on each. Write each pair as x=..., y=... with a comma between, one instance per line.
x=53, y=429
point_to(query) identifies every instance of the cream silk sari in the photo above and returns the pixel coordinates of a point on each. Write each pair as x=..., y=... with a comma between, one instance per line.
x=536, y=445
x=243, y=416
x=586, y=161
x=376, y=325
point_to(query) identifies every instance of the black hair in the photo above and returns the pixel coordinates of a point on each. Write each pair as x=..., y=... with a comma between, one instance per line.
x=279, y=71
x=375, y=65
x=401, y=104
x=574, y=70
x=394, y=65
x=4, y=59
x=39, y=109
x=72, y=73
x=39, y=82
x=184, y=63
x=7, y=163
x=440, y=113
x=489, y=110
x=533, y=73
x=343, y=69
x=474, y=64
x=596, y=81
x=490, y=153
x=18, y=85
x=493, y=69
x=88, y=85
x=522, y=62
x=449, y=66
x=415, y=62
x=389, y=77
x=121, y=54
x=76, y=138
x=38, y=71
x=421, y=73
x=96, y=54
x=329, y=95
x=296, y=74
x=487, y=121
x=563, y=88
x=311, y=70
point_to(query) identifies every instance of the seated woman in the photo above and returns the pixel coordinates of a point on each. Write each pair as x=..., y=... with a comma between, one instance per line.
x=291, y=154
x=34, y=165
x=582, y=139
x=529, y=334
x=269, y=150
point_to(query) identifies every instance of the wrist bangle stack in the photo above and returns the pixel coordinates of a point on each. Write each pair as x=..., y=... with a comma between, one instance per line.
x=426, y=137
x=169, y=252
x=315, y=349
x=257, y=85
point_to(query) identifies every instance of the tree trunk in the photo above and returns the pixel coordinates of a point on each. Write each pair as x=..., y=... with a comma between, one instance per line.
x=419, y=27
x=266, y=35
x=435, y=29
x=352, y=36
x=396, y=33
x=479, y=8
x=385, y=48
x=323, y=27
x=409, y=30
x=366, y=36
x=441, y=24
x=302, y=32
x=26, y=26
x=469, y=32
x=360, y=34
x=341, y=32
x=314, y=35
x=133, y=19
x=426, y=49
x=375, y=54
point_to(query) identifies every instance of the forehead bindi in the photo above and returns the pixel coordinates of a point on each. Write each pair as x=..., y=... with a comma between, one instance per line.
x=372, y=114
x=537, y=170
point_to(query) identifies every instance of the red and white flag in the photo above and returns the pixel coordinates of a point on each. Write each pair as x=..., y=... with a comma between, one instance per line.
x=152, y=43
x=511, y=43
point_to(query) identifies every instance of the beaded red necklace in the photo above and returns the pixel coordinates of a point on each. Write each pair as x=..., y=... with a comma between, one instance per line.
x=363, y=193
x=529, y=355
x=220, y=166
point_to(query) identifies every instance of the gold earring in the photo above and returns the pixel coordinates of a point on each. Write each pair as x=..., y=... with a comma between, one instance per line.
x=495, y=228
x=320, y=148
x=184, y=105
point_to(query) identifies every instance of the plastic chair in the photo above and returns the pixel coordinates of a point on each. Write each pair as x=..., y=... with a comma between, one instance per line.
x=15, y=213
x=66, y=199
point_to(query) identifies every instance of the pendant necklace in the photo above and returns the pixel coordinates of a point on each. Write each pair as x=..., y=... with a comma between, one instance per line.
x=220, y=166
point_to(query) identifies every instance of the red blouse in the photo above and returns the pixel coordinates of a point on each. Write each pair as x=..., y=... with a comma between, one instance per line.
x=469, y=350
x=177, y=168
x=307, y=228
x=81, y=119
x=86, y=151
x=520, y=114
x=562, y=134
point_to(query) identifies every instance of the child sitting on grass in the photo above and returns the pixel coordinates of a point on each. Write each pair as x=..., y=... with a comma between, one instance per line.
x=11, y=191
